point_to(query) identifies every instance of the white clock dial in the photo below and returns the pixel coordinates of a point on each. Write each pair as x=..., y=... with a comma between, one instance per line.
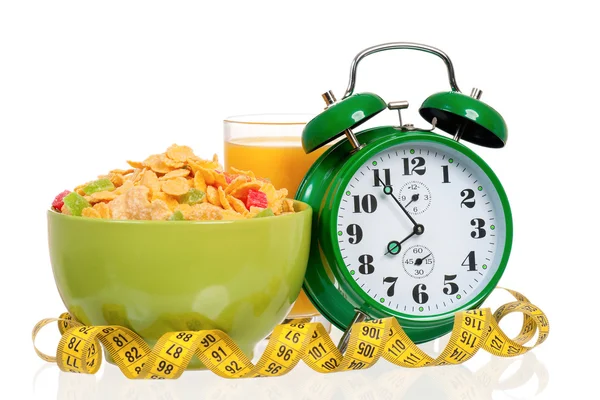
x=438, y=255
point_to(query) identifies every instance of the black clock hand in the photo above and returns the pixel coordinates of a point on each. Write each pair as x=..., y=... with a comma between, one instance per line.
x=390, y=192
x=394, y=246
x=419, y=261
x=414, y=197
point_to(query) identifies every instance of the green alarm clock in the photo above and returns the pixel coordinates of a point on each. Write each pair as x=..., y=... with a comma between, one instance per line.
x=407, y=222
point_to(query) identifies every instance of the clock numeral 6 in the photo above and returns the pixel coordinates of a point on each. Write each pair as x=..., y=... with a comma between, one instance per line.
x=479, y=232
x=368, y=203
x=366, y=268
x=419, y=294
x=355, y=232
x=418, y=166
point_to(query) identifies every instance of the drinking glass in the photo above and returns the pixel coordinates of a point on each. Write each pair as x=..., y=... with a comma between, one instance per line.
x=270, y=146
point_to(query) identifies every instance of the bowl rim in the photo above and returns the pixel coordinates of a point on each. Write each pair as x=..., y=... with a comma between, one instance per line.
x=297, y=214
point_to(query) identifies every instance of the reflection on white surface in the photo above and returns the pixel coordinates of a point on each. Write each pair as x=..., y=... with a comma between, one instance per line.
x=499, y=376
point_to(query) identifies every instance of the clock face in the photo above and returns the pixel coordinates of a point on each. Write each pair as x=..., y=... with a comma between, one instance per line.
x=420, y=229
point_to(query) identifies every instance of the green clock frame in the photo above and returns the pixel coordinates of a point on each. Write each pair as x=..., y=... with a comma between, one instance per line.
x=331, y=288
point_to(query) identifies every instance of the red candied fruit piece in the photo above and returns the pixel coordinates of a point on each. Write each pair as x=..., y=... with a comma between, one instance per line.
x=58, y=200
x=230, y=177
x=256, y=198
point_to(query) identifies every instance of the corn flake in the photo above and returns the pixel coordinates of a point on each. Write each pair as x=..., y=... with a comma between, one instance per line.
x=237, y=204
x=176, y=186
x=103, y=210
x=90, y=213
x=176, y=173
x=179, y=153
x=223, y=199
x=212, y=196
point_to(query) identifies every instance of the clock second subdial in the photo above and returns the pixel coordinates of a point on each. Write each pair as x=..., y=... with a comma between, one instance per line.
x=415, y=196
x=418, y=261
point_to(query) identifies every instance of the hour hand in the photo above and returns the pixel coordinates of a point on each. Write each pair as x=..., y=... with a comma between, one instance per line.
x=394, y=247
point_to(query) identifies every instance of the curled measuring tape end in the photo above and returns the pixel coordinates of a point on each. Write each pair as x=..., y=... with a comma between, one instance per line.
x=79, y=346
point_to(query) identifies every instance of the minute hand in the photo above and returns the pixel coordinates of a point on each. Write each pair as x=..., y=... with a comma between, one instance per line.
x=391, y=193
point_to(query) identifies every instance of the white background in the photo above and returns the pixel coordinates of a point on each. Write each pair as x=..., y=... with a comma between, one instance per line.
x=86, y=85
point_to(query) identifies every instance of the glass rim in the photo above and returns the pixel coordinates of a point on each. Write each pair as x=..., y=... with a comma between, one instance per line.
x=270, y=119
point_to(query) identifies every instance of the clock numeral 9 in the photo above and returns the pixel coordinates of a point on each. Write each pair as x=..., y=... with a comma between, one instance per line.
x=355, y=232
x=419, y=294
x=368, y=203
x=469, y=198
x=418, y=164
x=366, y=268
x=452, y=287
x=479, y=232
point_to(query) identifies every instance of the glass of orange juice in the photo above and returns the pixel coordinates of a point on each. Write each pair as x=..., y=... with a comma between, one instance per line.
x=270, y=146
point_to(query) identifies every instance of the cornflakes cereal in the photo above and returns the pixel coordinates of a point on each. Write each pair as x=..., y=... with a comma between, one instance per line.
x=105, y=195
x=179, y=153
x=103, y=210
x=223, y=199
x=178, y=185
x=176, y=173
x=90, y=213
x=212, y=196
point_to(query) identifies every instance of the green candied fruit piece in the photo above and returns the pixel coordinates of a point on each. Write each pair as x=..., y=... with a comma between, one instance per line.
x=75, y=203
x=177, y=216
x=99, y=185
x=194, y=196
x=267, y=212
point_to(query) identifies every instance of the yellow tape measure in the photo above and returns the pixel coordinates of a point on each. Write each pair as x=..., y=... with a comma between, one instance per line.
x=79, y=346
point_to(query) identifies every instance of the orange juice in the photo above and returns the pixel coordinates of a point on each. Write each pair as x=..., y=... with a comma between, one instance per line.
x=284, y=162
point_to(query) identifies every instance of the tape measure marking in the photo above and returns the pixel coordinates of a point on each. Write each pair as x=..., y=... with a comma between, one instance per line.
x=79, y=349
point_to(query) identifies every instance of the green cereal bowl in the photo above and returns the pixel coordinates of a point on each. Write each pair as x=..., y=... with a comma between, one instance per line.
x=153, y=277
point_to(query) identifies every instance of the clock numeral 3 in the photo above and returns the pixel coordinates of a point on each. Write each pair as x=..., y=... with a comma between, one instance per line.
x=355, y=232
x=419, y=294
x=469, y=198
x=470, y=261
x=387, y=181
x=392, y=280
x=368, y=203
x=366, y=268
x=418, y=166
x=452, y=287
x=479, y=232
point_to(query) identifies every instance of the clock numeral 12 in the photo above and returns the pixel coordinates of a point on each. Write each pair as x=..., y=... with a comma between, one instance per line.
x=418, y=166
